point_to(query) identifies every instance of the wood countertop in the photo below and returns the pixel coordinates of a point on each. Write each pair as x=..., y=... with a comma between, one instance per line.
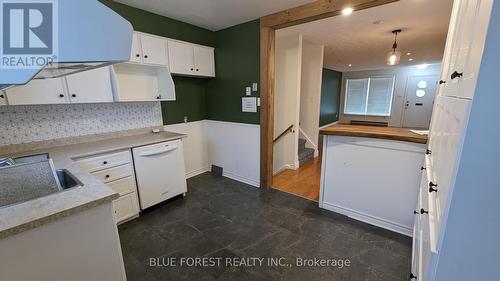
x=390, y=133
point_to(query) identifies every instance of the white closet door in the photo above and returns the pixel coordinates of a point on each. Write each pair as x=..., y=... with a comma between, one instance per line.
x=93, y=86
x=204, y=61
x=136, y=52
x=45, y=91
x=181, y=57
x=154, y=50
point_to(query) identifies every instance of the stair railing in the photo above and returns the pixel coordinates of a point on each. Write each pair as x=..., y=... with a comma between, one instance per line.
x=288, y=130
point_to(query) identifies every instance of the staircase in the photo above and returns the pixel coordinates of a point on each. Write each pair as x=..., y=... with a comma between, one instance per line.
x=305, y=154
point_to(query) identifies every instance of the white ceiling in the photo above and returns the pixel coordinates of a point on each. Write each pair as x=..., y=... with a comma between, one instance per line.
x=214, y=14
x=356, y=40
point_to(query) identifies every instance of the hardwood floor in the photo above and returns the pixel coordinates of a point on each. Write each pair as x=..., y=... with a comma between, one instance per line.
x=303, y=182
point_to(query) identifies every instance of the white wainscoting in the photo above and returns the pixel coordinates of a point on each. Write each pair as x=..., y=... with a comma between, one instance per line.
x=236, y=148
x=195, y=146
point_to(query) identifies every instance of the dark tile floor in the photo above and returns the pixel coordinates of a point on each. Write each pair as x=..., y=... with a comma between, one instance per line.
x=222, y=218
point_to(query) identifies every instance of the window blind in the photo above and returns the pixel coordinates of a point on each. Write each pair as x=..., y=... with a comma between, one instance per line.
x=370, y=96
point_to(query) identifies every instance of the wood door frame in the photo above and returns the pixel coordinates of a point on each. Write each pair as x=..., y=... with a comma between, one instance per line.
x=317, y=10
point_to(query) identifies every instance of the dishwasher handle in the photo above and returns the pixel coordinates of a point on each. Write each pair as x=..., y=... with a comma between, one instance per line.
x=162, y=150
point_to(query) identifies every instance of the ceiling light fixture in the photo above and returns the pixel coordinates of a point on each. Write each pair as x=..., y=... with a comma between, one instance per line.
x=350, y=65
x=408, y=54
x=394, y=56
x=347, y=11
x=410, y=59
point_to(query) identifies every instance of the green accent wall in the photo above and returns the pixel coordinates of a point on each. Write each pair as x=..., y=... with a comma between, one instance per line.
x=237, y=60
x=190, y=92
x=330, y=97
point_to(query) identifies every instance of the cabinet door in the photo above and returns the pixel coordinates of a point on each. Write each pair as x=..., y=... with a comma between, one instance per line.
x=136, y=52
x=204, y=61
x=46, y=91
x=3, y=98
x=126, y=207
x=154, y=50
x=93, y=86
x=181, y=57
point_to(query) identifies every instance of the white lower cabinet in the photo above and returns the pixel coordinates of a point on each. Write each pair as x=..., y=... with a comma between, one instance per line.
x=116, y=171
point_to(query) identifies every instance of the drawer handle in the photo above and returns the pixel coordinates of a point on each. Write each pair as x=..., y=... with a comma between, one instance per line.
x=412, y=276
x=431, y=187
x=422, y=211
x=457, y=74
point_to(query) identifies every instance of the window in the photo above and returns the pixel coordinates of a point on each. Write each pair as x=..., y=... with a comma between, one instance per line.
x=370, y=96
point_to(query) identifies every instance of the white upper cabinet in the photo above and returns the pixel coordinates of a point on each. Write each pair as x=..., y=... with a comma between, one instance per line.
x=204, y=61
x=93, y=86
x=181, y=58
x=136, y=52
x=45, y=91
x=154, y=49
x=190, y=59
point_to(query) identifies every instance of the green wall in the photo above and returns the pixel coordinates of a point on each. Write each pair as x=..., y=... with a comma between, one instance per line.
x=190, y=92
x=237, y=57
x=330, y=96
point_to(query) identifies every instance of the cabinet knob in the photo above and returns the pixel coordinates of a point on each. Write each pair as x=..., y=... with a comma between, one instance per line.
x=192, y=69
x=107, y=176
x=456, y=74
x=105, y=163
x=431, y=187
x=441, y=82
x=158, y=97
x=197, y=69
x=146, y=56
x=412, y=276
x=422, y=211
x=1, y=96
x=137, y=55
x=422, y=168
x=61, y=96
x=73, y=95
x=428, y=152
x=416, y=213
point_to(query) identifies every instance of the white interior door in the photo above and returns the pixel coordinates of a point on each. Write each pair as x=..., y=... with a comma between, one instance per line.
x=154, y=50
x=92, y=86
x=204, y=61
x=46, y=91
x=181, y=57
x=420, y=94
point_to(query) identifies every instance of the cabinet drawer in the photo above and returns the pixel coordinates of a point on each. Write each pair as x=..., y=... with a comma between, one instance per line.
x=115, y=173
x=104, y=161
x=123, y=186
x=126, y=207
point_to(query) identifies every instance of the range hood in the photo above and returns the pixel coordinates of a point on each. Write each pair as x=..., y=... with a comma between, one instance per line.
x=88, y=35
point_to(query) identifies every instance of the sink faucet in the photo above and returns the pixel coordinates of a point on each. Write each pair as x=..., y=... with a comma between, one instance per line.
x=6, y=162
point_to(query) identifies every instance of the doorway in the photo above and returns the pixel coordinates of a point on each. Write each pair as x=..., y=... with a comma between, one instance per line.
x=419, y=100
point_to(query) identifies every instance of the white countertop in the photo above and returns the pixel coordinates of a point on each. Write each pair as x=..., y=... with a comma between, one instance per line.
x=31, y=214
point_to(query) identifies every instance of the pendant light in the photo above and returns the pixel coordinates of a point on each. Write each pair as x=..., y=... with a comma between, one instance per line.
x=394, y=56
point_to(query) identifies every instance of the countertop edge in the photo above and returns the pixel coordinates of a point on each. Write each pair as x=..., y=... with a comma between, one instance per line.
x=388, y=133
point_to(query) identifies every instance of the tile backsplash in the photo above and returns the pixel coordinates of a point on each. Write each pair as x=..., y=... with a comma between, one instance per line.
x=31, y=123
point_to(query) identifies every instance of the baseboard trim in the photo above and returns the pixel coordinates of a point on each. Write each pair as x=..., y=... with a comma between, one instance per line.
x=376, y=221
x=197, y=172
x=284, y=167
x=239, y=178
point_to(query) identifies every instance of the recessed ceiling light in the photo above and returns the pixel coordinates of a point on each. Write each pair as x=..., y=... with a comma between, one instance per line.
x=423, y=66
x=410, y=59
x=347, y=11
x=408, y=54
x=350, y=65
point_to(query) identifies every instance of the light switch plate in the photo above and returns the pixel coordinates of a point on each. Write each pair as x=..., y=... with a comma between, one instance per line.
x=249, y=91
x=255, y=87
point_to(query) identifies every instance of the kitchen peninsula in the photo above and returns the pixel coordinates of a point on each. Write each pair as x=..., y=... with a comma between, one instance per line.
x=385, y=192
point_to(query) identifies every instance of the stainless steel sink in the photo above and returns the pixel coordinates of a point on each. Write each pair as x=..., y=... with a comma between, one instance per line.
x=67, y=180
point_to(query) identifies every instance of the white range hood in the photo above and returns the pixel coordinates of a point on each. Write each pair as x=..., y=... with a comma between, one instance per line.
x=89, y=35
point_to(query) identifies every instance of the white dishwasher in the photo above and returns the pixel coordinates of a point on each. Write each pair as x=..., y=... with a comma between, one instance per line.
x=160, y=172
